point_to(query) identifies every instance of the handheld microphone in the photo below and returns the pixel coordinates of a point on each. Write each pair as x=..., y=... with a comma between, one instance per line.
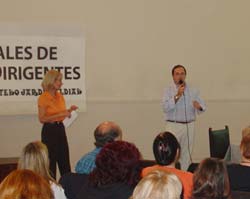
x=181, y=83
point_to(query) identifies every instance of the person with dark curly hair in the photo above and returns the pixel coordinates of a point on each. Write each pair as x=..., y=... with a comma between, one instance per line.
x=211, y=180
x=116, y=174
x=167, y=151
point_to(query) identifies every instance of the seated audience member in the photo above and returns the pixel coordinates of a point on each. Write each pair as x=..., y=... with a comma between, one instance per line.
x=246, y=131
x=239, y=173
x=211, y=180
x=158, y=184
x=115, y=176
x=35, y=157
x=234, y=153
x=166, y=151
x=25, y=184
x=104, y=133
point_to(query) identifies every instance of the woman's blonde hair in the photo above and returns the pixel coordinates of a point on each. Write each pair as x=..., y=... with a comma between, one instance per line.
x=245, y=146
x=246, y=131
x=158, y=184
x=49, y=79
x=35, y=157
x=21, y=184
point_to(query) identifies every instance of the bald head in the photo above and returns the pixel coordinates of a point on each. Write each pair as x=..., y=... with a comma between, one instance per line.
x=107, y=132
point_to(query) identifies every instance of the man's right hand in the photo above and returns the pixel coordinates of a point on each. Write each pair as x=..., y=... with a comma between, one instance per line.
x=181, y=90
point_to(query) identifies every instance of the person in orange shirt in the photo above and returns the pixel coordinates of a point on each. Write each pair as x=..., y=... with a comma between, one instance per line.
x=167, y=151
x=51, y=112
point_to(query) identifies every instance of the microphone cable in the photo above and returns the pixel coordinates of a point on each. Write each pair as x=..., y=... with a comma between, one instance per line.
x=189, y=152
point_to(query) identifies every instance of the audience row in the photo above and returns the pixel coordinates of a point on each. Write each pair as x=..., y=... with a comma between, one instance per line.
x=114, y=170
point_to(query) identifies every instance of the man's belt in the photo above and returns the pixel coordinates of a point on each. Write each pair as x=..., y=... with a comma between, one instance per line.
x=180, y=121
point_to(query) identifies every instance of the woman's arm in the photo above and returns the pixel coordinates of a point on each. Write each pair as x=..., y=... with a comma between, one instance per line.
x=43, y=118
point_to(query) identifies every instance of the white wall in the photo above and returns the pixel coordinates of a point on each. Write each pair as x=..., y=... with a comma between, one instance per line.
x=130, y=49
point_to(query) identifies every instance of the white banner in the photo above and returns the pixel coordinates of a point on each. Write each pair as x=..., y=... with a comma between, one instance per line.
x=24, y=61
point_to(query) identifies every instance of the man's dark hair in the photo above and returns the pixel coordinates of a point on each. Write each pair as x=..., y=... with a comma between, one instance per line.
x=106, y=133
x=178, y=66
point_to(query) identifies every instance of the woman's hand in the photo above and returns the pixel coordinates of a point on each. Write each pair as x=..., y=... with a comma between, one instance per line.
x=73, y=108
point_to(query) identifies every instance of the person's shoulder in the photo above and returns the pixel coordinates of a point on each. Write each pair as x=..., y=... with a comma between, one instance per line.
x=86, y=157
x=147, y=170
x=59, y=94
x=233, y=167
x=189, y=174
x=56, y=187
x=185, y=174
x=43, y=95
x=170, y=86
x=91, y=154
x=192, y=89
x=58, y=190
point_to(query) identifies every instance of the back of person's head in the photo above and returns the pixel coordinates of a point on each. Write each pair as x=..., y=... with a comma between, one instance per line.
x=245, y=146
x=35, y=157
x=246, y=131
x=166, y=148
x=158, y=184
x=107, y=132
x=211, y=180
x=25, y=184
x=117, y=162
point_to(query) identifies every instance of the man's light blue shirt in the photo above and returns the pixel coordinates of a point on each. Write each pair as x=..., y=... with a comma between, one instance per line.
x=183, y=110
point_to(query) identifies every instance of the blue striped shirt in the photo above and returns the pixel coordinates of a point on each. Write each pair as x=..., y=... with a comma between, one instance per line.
x=87, y=163
x=183, y=110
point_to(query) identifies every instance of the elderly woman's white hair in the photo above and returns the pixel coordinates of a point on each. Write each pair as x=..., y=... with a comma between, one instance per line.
x=158, y=184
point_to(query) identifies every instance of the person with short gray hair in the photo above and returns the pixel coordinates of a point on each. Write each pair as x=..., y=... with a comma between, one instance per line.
x=104, y=133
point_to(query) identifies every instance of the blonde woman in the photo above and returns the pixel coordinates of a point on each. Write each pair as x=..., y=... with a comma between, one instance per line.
x=158, y=184
x=35, y=157
x=21, y=184
x=51, y=112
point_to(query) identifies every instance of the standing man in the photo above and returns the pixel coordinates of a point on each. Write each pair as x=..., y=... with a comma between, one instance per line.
x=180, y=105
